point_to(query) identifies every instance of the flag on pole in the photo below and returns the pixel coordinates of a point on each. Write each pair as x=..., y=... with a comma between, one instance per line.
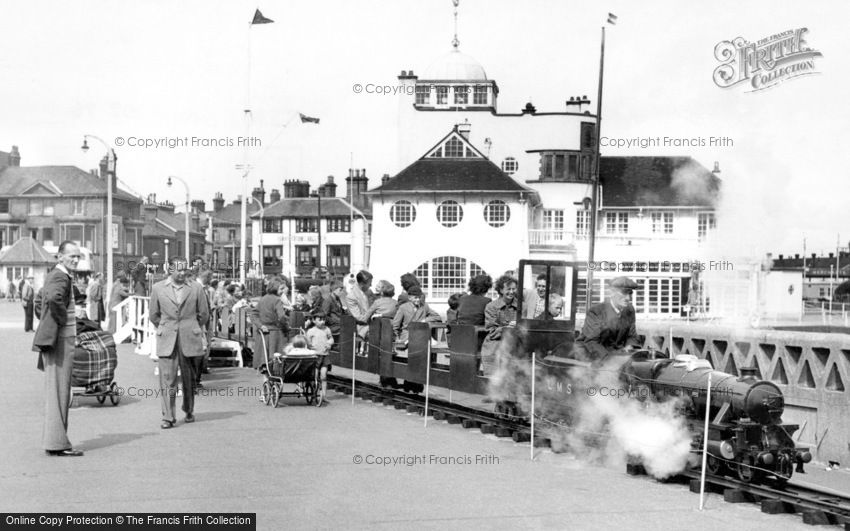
x=308, y=119
x=612, y=19
x=260, y=19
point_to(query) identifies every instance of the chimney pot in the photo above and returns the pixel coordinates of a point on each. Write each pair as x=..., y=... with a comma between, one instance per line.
x=796, y=257
x=832, y=255
x=780, y=257
x=15, y=157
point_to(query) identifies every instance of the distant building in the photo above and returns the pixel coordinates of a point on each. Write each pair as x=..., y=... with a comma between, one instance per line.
x=822, y=274
x=26, y=257
x=303, y=234
x=54, y=203
x=225, y=233
x=165, y=228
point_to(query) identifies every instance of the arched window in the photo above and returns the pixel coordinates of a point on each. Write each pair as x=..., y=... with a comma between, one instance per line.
x=497, y=213
x=449, y=213
x=510, y=165
x=445, y=275
x=403, y=213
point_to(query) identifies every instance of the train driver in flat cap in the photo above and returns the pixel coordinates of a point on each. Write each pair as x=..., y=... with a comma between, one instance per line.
x=609, y=327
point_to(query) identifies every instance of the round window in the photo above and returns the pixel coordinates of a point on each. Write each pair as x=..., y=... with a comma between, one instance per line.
x=403, y=213
x=449, y=213
x=497, y=213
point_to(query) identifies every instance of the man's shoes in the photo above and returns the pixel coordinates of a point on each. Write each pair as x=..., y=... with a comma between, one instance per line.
x=190, y=418
x=166, y=424
x=68, y=452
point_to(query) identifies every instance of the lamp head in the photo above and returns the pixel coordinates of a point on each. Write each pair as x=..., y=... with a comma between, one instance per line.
x=169, y=181
x=85, y=146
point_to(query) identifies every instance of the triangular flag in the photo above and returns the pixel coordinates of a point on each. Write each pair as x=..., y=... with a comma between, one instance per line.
x=307, y=119
x=260, y=19
x=612, y=19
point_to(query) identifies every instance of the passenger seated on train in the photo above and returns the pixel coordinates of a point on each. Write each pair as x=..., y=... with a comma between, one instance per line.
x=451, y=313
x=385, y=305
x=609, y=327
x=533, y=306
x=499, y=314
x=415, y=310
x=470, y=310
x=407, y=281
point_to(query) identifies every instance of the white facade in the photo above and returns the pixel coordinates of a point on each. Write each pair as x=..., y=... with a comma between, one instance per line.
x=519, y=142
x=400, y=250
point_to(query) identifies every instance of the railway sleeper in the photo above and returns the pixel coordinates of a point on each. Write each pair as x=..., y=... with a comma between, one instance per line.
x=777, y=507
x=814, y=517
x=453, y=419
x=738, y=496
x=501, y=431
x=709, y=487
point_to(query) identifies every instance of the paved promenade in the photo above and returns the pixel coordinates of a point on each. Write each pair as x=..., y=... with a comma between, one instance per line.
x=296, y=466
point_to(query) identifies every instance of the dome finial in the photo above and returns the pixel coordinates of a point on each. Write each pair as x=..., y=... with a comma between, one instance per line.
x=455, y=42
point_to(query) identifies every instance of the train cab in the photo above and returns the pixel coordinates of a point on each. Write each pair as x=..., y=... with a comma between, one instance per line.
x=546, y=306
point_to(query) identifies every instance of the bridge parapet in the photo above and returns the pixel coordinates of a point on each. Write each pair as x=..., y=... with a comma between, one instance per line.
x=812, y=370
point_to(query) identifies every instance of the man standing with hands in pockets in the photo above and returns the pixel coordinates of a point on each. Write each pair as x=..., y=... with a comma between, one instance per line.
x=180, y=312
x=54, y=340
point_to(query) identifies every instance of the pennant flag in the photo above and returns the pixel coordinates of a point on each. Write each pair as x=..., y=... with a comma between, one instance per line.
x=612, y=19
x=307, y=119
x=260, y=19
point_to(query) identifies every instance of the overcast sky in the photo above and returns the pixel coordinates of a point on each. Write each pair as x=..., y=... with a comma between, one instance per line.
x=161, y=69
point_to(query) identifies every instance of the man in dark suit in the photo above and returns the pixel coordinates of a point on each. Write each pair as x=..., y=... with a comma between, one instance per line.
x=180, y=312
x=140, y=277
x=54, y=340
x=27, y=298
x=609, y=327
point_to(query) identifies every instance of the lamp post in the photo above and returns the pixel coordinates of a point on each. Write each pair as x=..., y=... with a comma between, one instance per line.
x=318, y=197
x=110, y=175
x=260, y=236
x=186, y=186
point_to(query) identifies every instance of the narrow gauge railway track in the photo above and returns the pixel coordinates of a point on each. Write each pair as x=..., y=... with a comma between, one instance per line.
x=468, y=417
x=815, y=506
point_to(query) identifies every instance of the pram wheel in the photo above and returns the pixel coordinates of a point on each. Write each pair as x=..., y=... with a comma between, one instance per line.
x=101, y=399
x=266, y=397
x=114, y=395
x=275, y=396
x=309, y=392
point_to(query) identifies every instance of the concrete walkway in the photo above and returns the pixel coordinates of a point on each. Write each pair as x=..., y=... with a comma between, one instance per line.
x=341, y=466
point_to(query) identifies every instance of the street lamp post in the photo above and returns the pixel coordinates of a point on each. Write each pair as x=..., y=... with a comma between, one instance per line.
x=260, y=236
x=110, y=175
x=186, y=186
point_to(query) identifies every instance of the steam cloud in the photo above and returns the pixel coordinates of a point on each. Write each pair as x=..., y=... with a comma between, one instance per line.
x=606, y=429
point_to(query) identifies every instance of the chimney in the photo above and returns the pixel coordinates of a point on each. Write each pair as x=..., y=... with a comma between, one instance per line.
x=716, y=167
x=196, y=222
x=238, y=200
x=295, y=189
x=796, y=257
x=832, y=255
x=218, y=202
x=356, y=183
x=151, y=199
x=15, y=157
x=329, y=188
x=104, y=170
x=260, y=193
x=464, y=128
x=198, y=205
x=385, y=178
x=814, y=255
x=274, y=197
x=781, y=257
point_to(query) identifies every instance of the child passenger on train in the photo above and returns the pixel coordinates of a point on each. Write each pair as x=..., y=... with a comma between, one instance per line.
x=384, y=305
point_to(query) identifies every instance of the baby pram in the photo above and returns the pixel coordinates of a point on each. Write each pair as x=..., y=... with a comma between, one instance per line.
x=95, y=359
x=299, y=367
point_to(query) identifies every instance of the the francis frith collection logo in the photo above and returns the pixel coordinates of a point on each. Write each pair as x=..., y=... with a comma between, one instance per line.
x=764, y=63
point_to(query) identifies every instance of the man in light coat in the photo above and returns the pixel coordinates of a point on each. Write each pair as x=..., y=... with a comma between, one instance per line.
x=180, y=312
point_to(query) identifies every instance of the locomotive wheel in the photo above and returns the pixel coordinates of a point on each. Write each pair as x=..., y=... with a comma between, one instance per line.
x=275, y=396
x=715, y=466
x=746, y=470
x=266, y=397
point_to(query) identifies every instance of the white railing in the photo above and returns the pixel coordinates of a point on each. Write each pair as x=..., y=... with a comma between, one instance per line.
x=550, y=237
x=131, y=321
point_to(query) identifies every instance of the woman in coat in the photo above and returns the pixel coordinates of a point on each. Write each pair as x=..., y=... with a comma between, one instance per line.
x=498, y=315
x=270, y=316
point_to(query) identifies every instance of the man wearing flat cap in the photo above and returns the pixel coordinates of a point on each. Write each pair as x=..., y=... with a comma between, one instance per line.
x=609, y=327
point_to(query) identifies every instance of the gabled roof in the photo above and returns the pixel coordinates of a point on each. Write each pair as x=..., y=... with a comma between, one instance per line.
x=657, y=182
x=305, y=207
x=26, y=251
x=232, y=213
x=70, y=180
x=435, y=172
